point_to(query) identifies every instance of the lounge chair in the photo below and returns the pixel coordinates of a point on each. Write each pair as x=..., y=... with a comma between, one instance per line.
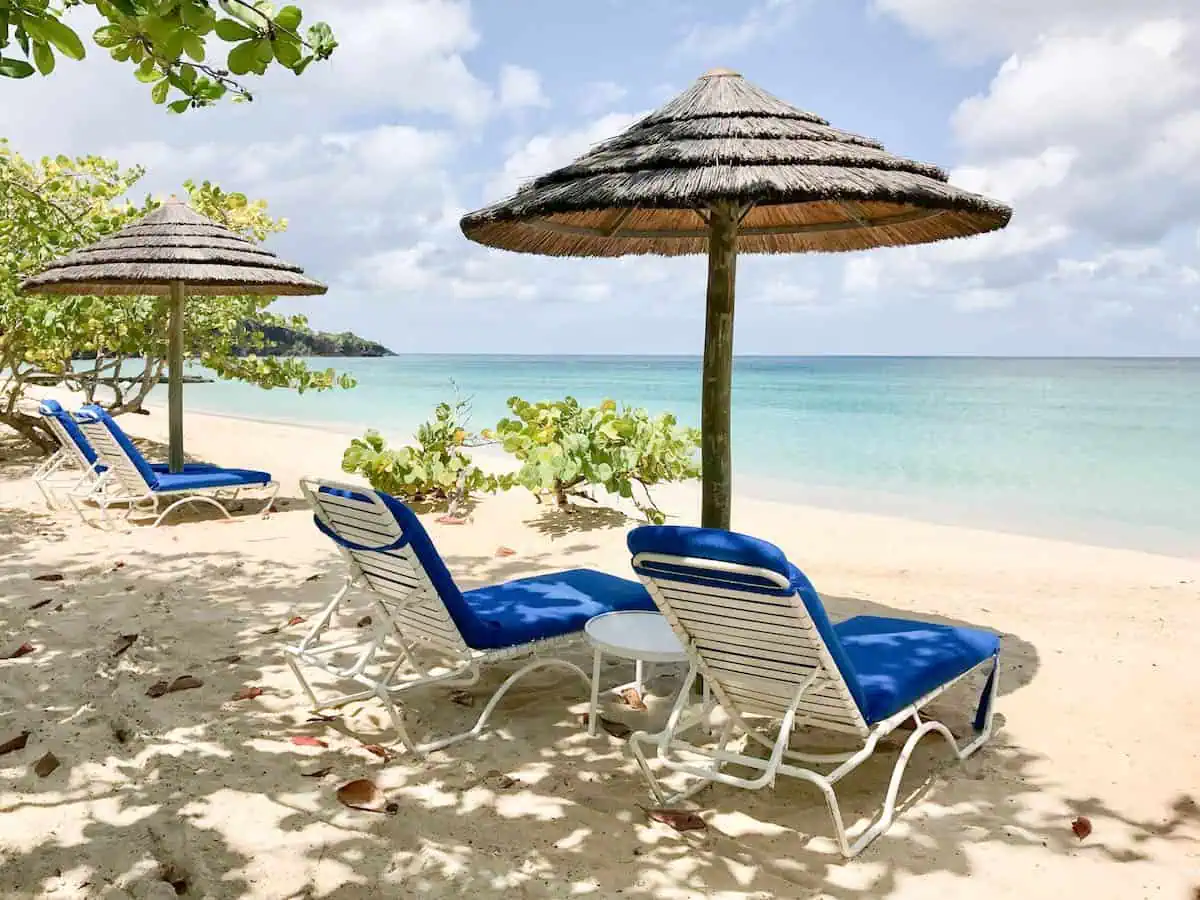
x=126, y=478
x=75, y=457
x=758, y=635
x=418, y=609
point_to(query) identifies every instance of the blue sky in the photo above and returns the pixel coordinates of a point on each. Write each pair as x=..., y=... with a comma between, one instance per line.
x=1084, y=114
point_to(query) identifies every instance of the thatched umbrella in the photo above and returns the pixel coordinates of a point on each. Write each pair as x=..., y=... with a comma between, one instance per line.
x=726, y=168
x=174, y=251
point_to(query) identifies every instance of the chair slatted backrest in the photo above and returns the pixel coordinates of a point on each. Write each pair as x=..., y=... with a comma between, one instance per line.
x=60, y=423
x=378, y=537
x=114, y=449
x=752, y=628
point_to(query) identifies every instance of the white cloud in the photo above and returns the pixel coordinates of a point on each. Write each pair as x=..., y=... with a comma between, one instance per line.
x=759, y=21
x=520, y=87
x=600, y=95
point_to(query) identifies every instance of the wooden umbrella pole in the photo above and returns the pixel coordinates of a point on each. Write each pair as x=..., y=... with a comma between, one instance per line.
x=175, y=383
x=718, y=366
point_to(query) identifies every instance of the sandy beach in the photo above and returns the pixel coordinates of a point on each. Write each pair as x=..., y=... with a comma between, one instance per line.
x=199, y=795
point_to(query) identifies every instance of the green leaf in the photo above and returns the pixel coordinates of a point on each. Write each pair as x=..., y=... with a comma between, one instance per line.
x=180, y=106
x=287, y=52
x=289, y=18
x=15, y=68
x=158, y=93
x=147, y=72
x=52, y=31
x=109, y=36
x=193, y=46
x=232, y=31
x=243, y=58
x=43, y=57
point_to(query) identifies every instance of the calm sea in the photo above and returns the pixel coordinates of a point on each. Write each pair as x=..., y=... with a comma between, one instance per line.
x=1101, y=450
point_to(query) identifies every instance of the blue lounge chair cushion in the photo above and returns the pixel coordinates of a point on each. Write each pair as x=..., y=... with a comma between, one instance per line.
x=898, y=661
x=508, y=614
x=546, y=606
x=210, y=478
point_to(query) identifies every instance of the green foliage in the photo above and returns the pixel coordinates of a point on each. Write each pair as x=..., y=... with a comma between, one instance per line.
x=564, y=446
x=284, y=341
x=436, y=468
x=167, y=41
x=56, y=205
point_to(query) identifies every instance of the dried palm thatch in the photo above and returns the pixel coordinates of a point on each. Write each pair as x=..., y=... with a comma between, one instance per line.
x=799, y=185
x=174, y=251
x=726, y=168
x=172, y=244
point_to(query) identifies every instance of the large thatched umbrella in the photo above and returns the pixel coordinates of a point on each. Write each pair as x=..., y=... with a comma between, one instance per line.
x=174, y=251
x=726, y=168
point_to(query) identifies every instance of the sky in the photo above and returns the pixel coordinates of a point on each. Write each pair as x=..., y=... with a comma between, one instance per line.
x=1084, y=115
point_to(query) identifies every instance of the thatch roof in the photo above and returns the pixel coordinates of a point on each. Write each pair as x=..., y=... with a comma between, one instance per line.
x=173, y=243
x=808, y=186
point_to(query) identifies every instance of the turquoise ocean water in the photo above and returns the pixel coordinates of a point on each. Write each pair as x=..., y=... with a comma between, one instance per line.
x=1099, y=450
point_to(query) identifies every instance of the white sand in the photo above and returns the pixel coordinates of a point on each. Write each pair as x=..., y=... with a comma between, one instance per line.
x=1099, y=715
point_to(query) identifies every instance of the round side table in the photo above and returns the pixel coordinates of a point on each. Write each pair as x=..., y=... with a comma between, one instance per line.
x=644, y=637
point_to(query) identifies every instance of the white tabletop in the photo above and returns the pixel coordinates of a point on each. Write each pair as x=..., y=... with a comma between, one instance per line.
x=635, y=635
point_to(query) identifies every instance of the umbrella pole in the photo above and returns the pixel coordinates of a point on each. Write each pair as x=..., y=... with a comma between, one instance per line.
x=175, y=378
x=718, y=367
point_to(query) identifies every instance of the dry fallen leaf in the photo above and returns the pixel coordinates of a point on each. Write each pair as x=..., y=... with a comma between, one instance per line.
x=362, y=794
x=232, y=658
x=505, y=551
x=462, y=698
x=158, y=689
x=321, y=717
x=633, y=699
x=123, y=643
x=451, y=520
x=381, y=752
x=53, y=576
x=679, y=819
x=294, y=620
x=119, y=564
x=313, y=577
x=248, y=693
x=318, y=772
x=1082, y=826
x=185, y=683
x=616, y=729
x=24, y=650
x=45, y=765
x=41, y=603
x=307, y=740
x=363, y=622
x=14, y=744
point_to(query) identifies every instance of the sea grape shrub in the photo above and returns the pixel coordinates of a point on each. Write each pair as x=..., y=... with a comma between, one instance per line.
x=565, y=448
x=437, y=468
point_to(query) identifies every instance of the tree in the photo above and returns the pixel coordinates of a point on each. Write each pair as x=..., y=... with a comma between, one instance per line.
x=50, y=208
x=168, y=41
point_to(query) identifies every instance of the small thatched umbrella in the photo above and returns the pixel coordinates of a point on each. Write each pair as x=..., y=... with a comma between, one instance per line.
x=726, y=168
x=174, y=251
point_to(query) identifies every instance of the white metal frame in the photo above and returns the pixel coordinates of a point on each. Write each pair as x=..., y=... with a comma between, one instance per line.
x=122, y=484
x=69, y=456
x=798, y=686
x=407, y=612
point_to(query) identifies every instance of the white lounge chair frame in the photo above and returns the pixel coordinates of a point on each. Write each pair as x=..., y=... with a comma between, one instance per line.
x=122, y=484
x=799, y=686
x=407, y=612
x=67, y=456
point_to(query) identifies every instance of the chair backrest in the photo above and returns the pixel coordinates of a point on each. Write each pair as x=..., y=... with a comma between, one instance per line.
x=115, y=450
x=66, y=431
x=751, y=621
x=389, y=550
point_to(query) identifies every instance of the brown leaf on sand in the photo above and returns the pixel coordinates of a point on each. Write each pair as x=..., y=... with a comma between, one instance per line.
x=294, y=620
x=450, y=520
x=505, y=551
x=382, y=752
x=129, y=587
x=313, y=577
x=14, y=744
x=321, y=717
x=679, y=819
x=232, y=658
x=123, y=643
x=185, y=683
x=24, y=650
x=307, y=740
x=363, y=622
x=462, y=698
x=248, y=693
x=119, y=564
x=362, y=794
x=319, y=772
x=633, y=699
x=158, y=689
x=45, y=765
x=52, y=576
x=616, y=729
x=41, y=603
x=1082, y=826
